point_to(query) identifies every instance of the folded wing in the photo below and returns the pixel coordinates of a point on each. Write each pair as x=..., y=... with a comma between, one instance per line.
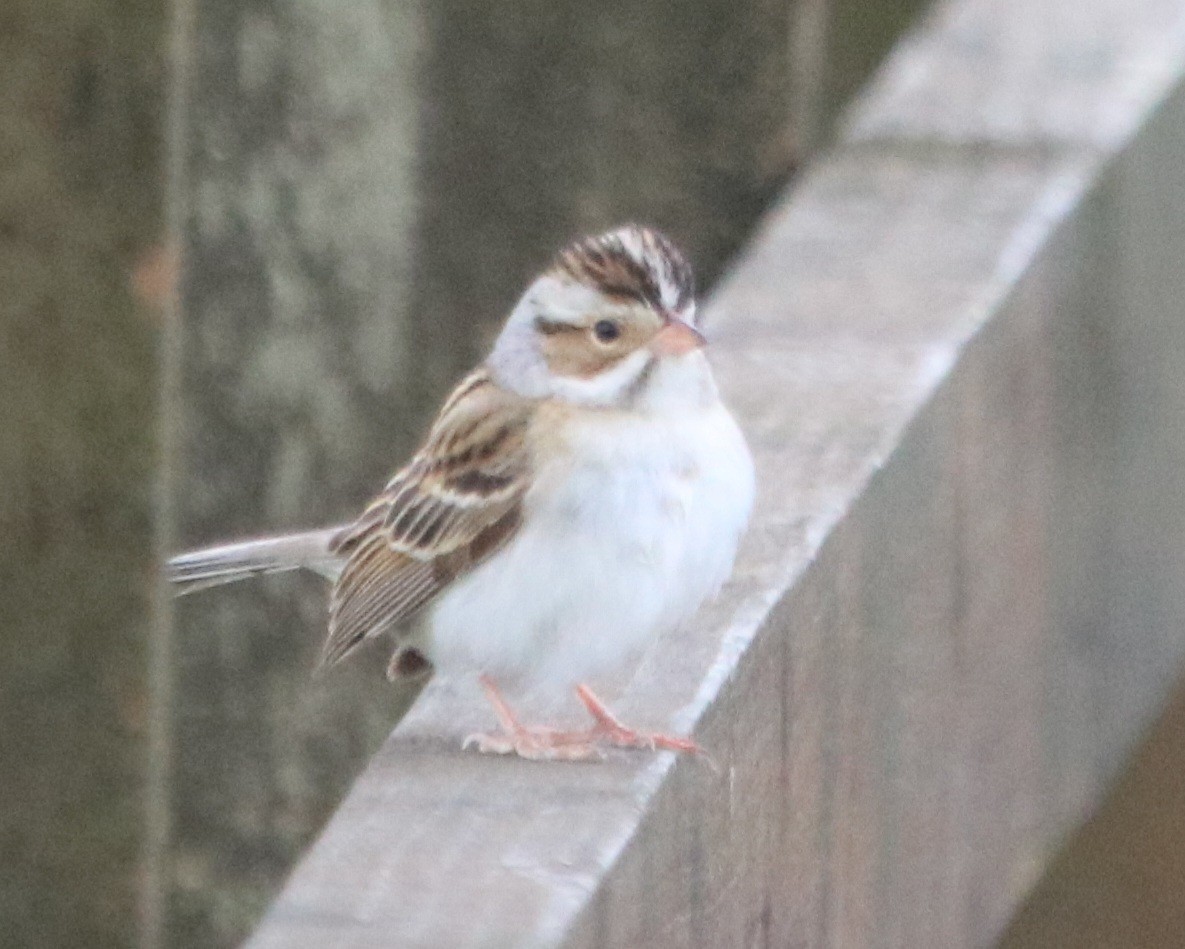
x=457, y=501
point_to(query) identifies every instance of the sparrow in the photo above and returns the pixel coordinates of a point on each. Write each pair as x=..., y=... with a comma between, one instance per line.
x=580, y=492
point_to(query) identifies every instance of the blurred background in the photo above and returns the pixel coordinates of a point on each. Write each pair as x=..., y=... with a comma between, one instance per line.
x=82, y=98
x=260, y=239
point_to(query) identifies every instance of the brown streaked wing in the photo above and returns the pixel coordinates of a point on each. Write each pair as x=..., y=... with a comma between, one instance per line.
x=456, y=502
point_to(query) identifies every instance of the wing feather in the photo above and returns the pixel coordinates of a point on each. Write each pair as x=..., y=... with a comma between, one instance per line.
x=456, y=502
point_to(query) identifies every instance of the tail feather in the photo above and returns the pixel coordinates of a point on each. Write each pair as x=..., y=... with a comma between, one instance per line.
x=227, y=563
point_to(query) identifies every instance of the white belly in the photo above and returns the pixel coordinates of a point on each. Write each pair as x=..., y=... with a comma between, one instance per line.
x=624, y=536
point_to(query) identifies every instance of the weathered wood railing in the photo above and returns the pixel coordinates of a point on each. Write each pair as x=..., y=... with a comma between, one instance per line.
x=958, y=352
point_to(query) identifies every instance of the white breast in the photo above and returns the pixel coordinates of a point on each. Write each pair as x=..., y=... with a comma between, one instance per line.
x=625, y=534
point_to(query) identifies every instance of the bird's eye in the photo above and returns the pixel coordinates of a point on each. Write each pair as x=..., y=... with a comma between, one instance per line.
x=606, y=331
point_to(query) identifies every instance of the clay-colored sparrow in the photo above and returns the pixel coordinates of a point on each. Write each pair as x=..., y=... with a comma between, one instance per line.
x=581, y=491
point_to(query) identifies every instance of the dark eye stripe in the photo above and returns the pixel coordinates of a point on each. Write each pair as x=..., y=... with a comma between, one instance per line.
x=552, y=327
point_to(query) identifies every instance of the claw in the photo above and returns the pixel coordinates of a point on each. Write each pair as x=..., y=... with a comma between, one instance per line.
x=534, y=744
x=543, y=744
x=488, y=743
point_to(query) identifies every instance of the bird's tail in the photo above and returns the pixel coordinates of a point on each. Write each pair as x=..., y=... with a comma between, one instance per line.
x=226, y=563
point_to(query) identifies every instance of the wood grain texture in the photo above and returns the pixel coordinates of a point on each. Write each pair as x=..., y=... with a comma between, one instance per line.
x=294, y=194
x=944, y=634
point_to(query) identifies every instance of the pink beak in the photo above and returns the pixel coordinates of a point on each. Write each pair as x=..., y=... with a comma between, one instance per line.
x=677, y=338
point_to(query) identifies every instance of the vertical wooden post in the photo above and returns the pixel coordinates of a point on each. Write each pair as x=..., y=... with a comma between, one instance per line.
x=295, y=188
x=80, y=194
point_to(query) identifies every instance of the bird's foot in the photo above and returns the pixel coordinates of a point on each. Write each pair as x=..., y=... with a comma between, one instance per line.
x=536, y=744
x=552, y=744
x=610, y=731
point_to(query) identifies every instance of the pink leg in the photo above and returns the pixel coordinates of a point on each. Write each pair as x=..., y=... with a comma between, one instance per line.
x=551, y=744
x=611, y=731
x=537, y=744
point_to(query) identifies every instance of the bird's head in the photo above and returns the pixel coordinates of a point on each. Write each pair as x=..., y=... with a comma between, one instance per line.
x=596, y=324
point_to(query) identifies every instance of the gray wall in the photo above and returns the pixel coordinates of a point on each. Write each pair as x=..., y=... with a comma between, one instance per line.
x=80, y=195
